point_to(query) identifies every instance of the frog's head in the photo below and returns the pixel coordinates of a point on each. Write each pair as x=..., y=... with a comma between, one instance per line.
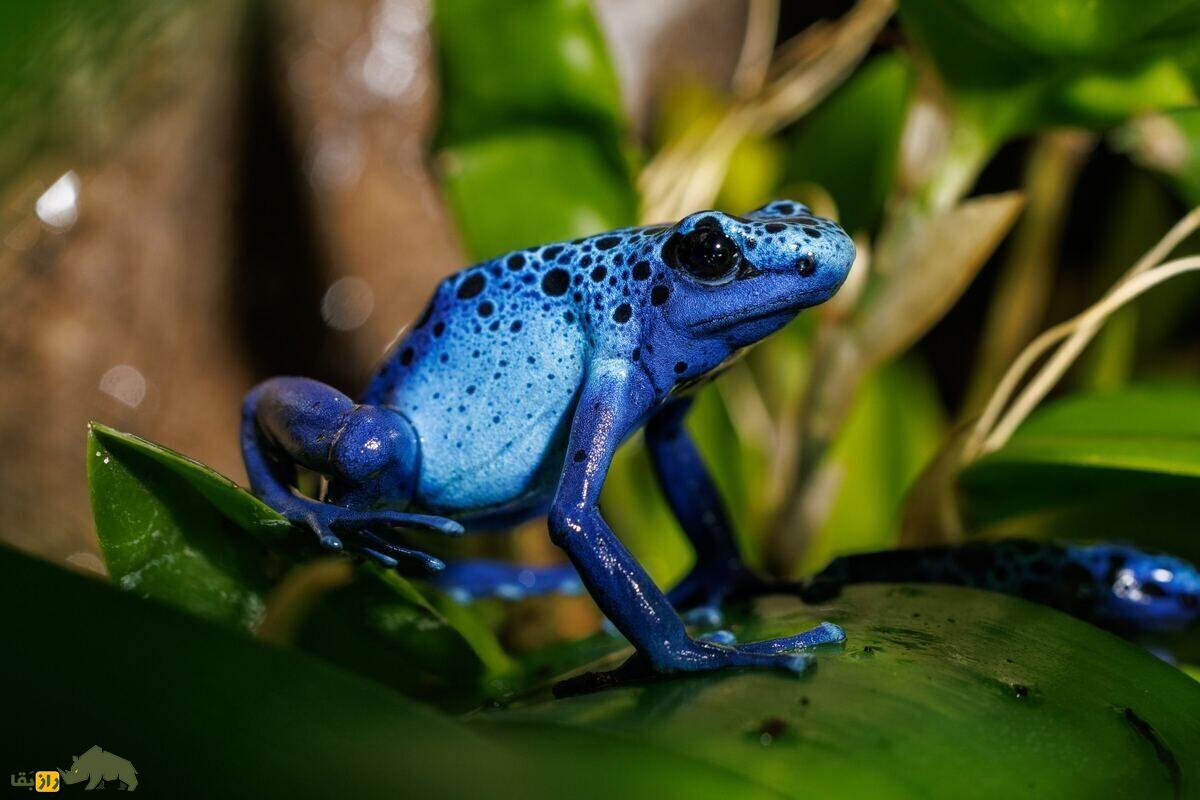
x=1150, y=591
x=739, y=279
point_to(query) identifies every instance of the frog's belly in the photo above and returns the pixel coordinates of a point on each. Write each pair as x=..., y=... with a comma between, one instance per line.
x=493, y=427
x=508, y=465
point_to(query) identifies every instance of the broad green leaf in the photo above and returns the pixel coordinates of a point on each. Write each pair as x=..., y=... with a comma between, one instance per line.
x=545, y=65
x=524, y=188
x=1123, y=465
x=1063, y=29
x=174, y=530
x=1027, y=64
x=202, y=712
x=1152, y=429
x=850, y=143
x=162, y=537
x=940, y=692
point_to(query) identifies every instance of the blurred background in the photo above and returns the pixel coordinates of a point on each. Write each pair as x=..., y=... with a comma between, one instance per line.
x=197, y=195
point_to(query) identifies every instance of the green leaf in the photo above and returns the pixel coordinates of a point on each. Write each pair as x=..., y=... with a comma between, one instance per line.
x=162, y=536
x=202, y=712
x=1121, y=465
x=544, y=66
x=1028, y=64
x=528, y=187
x=174, y=530
x=940, y=692
x=850, y=143
x=1067, y=29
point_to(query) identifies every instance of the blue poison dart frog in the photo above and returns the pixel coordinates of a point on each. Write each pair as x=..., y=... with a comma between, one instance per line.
x=1114, y=586
x=507, y=398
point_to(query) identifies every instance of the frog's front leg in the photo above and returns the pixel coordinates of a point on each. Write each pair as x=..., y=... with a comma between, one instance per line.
x=719, y=572
x=370, y=453
x=614, y=399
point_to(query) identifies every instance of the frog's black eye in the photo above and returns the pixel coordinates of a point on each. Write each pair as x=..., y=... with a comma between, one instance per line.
x=706, y=253
x=806, y=265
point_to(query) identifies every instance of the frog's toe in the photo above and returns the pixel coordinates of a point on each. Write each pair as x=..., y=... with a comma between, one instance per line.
x=320, y=524
x=825, y=633
x=390, y=554
x=400, y=519
x=386, y=561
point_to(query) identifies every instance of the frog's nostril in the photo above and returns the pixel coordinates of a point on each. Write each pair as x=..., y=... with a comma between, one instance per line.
x=806, y=265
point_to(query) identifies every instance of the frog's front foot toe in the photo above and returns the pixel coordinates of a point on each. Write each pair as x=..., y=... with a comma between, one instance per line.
x=321, y=526
x=388, y=520
x=390, y=554
x=365, y=533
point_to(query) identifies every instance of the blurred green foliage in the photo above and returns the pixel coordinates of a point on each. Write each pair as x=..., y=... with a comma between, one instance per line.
x=67, y=70
x=850, y=144
x=530, y=168
x=532, y=133
x=1024, y=64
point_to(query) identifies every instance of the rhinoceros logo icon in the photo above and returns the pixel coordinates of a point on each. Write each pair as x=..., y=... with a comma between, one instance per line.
x=100, y=768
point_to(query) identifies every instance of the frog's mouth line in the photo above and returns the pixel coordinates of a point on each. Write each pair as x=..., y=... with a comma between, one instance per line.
x=793, y=305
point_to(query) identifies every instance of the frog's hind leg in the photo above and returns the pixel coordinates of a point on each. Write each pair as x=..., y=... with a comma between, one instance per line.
x=719, y=573
x=479, y=578
x=371, y=455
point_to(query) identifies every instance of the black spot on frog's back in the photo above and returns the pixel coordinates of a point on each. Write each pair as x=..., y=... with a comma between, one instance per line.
x=555, y=282
x=471, y=286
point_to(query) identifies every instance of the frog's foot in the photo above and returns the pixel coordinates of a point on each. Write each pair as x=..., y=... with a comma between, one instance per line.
x=468, y=580
x=709, y=653
x=368, y=533
x=714, y=653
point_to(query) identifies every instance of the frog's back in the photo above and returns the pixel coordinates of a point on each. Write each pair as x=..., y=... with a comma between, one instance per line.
x=488, y=375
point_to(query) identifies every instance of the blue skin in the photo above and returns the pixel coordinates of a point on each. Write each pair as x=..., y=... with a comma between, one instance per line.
x=1115, y=586
x=509, y=396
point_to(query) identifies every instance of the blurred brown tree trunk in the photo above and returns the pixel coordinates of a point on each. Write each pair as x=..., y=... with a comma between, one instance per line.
x=214, y=211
